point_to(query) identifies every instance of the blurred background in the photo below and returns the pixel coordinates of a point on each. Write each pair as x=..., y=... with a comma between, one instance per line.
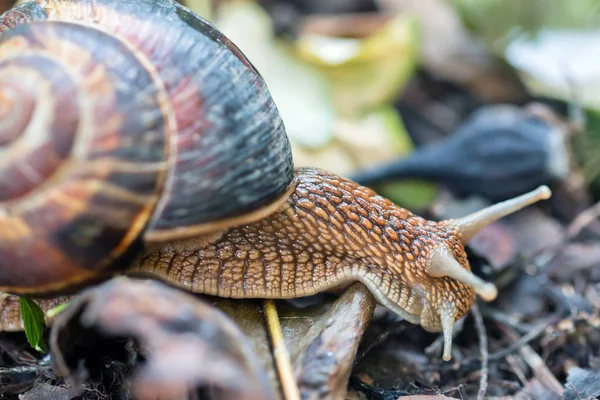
x=477, y=99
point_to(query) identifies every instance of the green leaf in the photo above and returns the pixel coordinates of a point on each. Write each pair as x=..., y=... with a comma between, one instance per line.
x=33, y=320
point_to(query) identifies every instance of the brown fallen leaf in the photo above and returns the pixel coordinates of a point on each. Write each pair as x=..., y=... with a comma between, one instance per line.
x=186, y=343
x=575, y=257
x=323, y=351
x=496, y=244
x=535, y=231
x=248, y=316
x=322, y=340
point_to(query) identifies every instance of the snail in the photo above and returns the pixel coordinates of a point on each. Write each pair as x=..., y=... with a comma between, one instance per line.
x=135, y=138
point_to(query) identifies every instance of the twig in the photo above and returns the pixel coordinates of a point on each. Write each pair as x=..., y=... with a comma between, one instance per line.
x=584, y=218
x=575, y=390
x=498, y=316
x=282, y=358
x=523, y=340
x=537, y=365
x=457, y=389
x=541, y=371
x=24, y=369
x=483, y=349
x=514, y=365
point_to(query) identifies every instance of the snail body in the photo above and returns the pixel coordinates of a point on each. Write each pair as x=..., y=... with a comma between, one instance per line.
x=140, y=140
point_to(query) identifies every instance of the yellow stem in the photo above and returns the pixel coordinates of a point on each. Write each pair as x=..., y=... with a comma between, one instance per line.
x=282, y=358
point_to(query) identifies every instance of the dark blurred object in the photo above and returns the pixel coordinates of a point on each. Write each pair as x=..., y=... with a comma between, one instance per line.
x=432, y=108
x=287, y=14
x=286, y=18
x=307, y=7
x=499, y=152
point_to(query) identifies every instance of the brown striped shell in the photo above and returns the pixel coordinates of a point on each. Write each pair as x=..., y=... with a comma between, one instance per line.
x=123, y=122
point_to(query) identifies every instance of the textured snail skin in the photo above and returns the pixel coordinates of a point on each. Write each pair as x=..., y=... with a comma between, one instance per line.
x=331, y=232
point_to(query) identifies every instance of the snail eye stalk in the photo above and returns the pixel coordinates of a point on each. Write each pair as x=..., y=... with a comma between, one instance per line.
x=472, y=224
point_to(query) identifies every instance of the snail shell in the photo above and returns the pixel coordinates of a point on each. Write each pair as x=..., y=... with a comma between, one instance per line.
x=123, y=122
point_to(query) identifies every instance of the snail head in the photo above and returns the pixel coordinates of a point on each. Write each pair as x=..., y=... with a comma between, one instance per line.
x=449, y=295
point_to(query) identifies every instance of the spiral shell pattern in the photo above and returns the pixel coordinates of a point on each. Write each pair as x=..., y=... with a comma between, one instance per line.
x=83, y=150
x=119, y=121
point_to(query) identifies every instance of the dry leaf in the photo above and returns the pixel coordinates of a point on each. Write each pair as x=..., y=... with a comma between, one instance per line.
x=186, y=343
